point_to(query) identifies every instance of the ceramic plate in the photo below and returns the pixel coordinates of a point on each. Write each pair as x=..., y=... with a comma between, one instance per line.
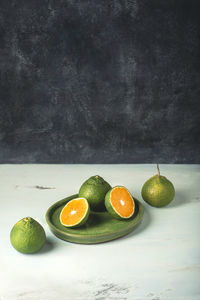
x=100, y=227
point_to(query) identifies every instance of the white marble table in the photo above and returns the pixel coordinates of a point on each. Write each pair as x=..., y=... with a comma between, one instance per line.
x=159, y=260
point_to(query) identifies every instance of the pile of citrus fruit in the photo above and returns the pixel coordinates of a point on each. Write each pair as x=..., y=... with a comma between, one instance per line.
x=95, y=194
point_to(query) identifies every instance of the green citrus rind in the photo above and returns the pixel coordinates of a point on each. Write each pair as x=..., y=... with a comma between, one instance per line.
x=83, y=220
x=94, y=190
x=27, y=236
x=158, y=191
x=110, y=207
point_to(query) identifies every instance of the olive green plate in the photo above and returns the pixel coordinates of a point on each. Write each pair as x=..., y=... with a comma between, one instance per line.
x=100, y=226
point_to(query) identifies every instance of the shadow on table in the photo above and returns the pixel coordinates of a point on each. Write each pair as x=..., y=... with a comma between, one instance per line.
x=48, y=246
x=142, y=226
x=179, y=199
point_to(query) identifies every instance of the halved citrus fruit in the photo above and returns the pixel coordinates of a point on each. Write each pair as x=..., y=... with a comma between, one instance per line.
x=119, y=203
x=75, y=213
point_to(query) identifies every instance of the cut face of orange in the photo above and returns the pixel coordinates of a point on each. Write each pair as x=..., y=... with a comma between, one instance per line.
x=75, y=213
x=119, y=203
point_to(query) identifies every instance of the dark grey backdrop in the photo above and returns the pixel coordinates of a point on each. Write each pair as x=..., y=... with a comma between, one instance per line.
x=99, y=81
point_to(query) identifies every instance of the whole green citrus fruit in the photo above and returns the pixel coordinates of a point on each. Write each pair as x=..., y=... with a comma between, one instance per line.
x=94, y=190
x=158, y=191
x=27, y=236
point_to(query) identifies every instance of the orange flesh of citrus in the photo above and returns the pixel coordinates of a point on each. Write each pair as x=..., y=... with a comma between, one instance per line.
x=122, y=202
x=73, y=212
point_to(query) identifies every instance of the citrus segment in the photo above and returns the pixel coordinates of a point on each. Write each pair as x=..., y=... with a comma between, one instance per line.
x=75, y=212
x=119, y=203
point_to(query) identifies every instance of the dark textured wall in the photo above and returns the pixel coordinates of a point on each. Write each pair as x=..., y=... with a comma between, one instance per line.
x=99, y=81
